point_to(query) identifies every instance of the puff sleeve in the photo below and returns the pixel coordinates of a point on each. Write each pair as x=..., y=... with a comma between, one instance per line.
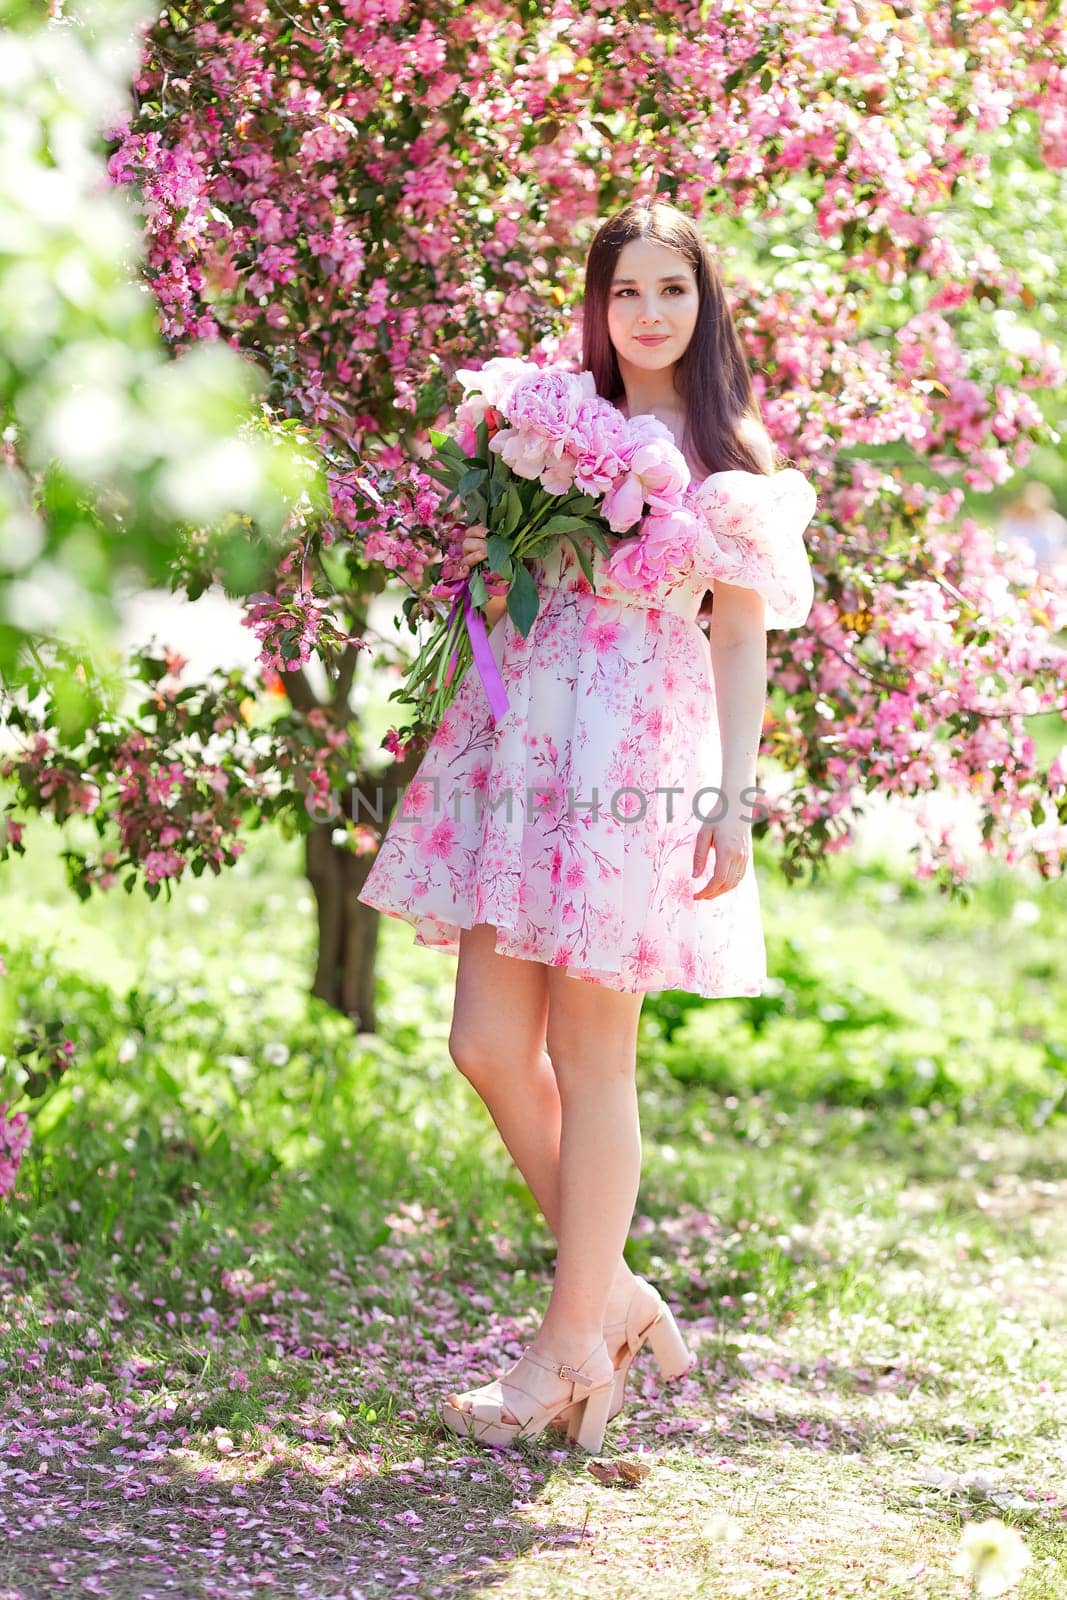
x=752, y=534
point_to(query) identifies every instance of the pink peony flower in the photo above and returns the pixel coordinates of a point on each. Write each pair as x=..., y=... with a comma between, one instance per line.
x=558, y=476
x=601, y=444
x=549, y=403
x=623, y=504
x=660, y=552
x=662, y=470
x=645, y=428
x=489, y=386
x=542, y=413
x=524, y=450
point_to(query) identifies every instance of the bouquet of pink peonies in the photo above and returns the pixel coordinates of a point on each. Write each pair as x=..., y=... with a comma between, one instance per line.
x=539, y=456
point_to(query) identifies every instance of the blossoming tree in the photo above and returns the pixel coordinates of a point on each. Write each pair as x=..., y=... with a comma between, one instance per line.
x=99, y=420
x=368, y=195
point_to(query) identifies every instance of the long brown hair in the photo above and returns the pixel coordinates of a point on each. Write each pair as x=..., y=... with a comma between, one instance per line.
x=724, y=427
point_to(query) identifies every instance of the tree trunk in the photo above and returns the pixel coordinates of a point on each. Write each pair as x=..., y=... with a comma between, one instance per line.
x=348, y=930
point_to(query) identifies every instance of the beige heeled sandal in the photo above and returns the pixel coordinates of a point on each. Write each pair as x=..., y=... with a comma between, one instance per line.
x=655, y=1326
x=649, y=1320
x=586, y=1408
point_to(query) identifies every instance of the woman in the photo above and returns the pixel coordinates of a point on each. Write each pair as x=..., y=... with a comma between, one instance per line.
x=565, y=913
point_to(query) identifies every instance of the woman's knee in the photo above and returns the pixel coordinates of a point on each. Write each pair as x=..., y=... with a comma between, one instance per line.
x=472, y=1053
x=485, y=1058
x=593, y=1070
x=498, y=1022
x=592, y=1033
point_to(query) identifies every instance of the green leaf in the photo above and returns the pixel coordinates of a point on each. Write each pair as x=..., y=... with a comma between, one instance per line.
x=600, y=540
x=523, y=600
x=166, y=1081
x=894, y=451
x=512, y=504
x=581, y=504
x=583, y=558
x=479, y=594
x=471, y=480
x=747, y=69
x=446, y=475
x=499, y=551
x=564, y=524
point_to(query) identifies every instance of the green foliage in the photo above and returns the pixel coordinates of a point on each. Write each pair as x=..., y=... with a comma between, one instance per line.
x=882, y=997
x=193, y=1034
x=100, y=422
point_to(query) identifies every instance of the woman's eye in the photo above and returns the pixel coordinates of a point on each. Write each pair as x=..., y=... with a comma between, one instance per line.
x=672, y=288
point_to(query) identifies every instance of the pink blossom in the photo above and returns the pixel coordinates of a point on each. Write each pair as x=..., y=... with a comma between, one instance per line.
x=663, y=473
x=600, y=633
x=525, y=450
x=622, y=505
x=438, y=841
x=10, y=831
x=490, y=385
x=162, y=864
x=601, y=443
x=14, y=1142
x=663, y=549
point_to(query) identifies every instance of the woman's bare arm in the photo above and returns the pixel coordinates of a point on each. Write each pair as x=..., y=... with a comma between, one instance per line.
x=739, y=660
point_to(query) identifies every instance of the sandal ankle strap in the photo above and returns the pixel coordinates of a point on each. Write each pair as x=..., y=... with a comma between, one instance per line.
x=561, y=1369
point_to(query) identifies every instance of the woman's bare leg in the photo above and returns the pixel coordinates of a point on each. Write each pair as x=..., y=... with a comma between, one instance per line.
x=497, y=1041
x=592, y=1041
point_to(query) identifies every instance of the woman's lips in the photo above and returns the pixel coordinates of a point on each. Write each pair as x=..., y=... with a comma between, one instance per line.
x=651, y=338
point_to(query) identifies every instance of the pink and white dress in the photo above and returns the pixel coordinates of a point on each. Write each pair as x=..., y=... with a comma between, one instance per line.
x=570, y=824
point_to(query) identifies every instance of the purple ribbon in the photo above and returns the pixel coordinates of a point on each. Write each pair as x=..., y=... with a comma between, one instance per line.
x=484, y=659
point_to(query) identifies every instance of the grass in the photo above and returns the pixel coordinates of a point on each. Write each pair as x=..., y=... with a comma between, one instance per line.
x=250, y=1250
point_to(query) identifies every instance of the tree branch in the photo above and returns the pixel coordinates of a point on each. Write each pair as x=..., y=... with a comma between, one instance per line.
x=299, y=690
x=342, y=684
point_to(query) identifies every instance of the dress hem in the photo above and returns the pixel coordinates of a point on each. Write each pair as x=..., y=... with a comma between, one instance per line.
x=449, y=945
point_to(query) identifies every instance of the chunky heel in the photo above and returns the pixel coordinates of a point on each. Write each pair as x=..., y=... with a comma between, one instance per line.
x=586, y=1409
x=589, y=1418
x=673, y=1356
x=648, y=1318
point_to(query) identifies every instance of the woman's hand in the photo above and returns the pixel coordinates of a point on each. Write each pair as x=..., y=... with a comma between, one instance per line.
x=732, y=840
x=473, y=550
x=474, y=547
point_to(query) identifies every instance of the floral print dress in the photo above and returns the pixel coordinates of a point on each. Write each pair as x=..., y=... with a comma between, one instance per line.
x=570, y=823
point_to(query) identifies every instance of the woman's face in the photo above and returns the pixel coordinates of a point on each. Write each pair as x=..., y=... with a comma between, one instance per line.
x=653, y=293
